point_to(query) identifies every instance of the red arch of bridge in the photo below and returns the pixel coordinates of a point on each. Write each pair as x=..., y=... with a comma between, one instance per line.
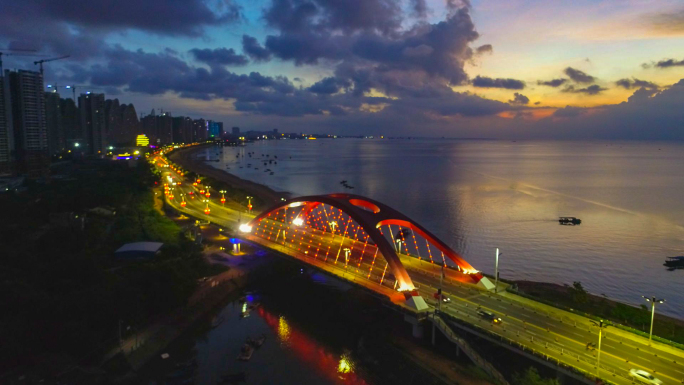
x=370, y=215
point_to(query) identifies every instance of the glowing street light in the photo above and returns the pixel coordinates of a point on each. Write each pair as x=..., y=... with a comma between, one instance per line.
x=601, y=326
x=399, y=245
x=183, y=203
x=206, y=209
x=653, y=301
x=208, y=195
x=332, y=225
x=223, y=197
x=249, y=204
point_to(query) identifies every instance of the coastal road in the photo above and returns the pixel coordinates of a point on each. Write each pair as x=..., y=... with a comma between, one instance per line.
x=556, y=333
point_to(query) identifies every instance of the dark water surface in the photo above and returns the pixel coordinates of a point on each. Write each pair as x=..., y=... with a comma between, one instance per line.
x=478, y=195
x=291, y=353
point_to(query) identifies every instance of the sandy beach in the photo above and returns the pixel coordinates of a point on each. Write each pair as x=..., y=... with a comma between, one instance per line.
x=184, y=158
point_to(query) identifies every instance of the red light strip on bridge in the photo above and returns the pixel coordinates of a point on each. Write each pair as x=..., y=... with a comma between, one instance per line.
x=429, y=251
x=416, y=244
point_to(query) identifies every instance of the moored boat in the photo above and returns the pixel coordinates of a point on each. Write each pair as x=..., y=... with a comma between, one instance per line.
x=675, y=262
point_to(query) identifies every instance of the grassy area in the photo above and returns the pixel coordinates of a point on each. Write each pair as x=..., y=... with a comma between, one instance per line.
x=63, y=293
x=633, y=318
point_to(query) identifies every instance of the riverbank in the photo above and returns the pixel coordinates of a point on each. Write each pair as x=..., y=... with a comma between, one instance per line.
x=184, y=157
x=631, y=318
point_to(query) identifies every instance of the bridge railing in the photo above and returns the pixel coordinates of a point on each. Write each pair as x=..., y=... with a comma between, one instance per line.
x=467, y=349
x=549, y=353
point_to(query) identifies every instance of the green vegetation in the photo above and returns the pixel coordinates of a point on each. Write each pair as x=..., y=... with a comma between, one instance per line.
x=575, y=298
x=532, y=377
x=63, y=293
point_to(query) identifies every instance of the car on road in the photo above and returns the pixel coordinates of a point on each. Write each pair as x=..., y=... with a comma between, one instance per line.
x=445, y=299
x=489, y=316
x=644, y=376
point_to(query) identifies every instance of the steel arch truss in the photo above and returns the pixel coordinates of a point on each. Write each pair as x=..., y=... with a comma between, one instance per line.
x=354, y=230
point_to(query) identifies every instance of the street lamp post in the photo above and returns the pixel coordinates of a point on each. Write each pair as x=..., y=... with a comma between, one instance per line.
x=249, y=204
x=653, y=300
x=332, y=225
x=496, y=271
x=600, y=325
x=439, y=303
x=223, y=197
x=399, y=246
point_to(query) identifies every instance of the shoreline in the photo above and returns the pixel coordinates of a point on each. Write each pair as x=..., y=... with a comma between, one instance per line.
x=528, y=288
x=184, y=158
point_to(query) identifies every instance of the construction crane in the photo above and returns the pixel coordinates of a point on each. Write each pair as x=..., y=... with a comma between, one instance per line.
x=49, y=60
x=3, y=51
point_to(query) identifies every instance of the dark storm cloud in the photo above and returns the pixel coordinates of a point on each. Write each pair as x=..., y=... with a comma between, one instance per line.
x=157, y=73
x=369, y=35
x=667, y=63
x=569, y=112
x=419, y=8
x=329, y=85
x=635, y=83
x=486, y=48
x=594, y=89
x=349, y=16
x=437, y=49
x=486, y=82
x=221, y=56
x=79, y=27
x=520, y=99
x=552, y=82
x=254, y=50
x=168, y=17
x=579, y=76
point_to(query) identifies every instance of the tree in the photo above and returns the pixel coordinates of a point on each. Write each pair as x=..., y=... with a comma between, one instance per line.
x=532, y=377
x=579, y=295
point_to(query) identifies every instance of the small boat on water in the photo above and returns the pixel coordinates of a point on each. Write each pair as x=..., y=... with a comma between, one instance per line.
x=569, y=221
x=246, y=352
x=674, y=262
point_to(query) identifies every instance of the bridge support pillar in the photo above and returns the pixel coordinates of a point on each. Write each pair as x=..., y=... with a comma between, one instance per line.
x=417, y=326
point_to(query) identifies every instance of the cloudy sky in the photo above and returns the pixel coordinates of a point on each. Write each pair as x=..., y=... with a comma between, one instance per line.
x=491, y=68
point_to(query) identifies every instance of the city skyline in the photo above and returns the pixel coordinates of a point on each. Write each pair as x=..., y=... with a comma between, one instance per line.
x=606, y=69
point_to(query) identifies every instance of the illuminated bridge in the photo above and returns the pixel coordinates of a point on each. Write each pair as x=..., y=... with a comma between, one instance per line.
x=359, y=239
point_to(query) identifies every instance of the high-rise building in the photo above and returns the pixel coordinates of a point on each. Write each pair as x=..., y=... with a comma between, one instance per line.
x=71, y=124
x=122, y=125
x=220, y=129
x=200, y=130
x=158, y=128
x=236, y=131
x=53, y=121
x=112, y=121
x=213, y=129
x=92, y=113
x=182, y=129
x=28, y=120
x=130, y=126
x=6, y=129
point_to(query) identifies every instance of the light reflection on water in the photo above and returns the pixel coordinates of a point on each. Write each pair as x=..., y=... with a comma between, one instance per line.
x=478, y=195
